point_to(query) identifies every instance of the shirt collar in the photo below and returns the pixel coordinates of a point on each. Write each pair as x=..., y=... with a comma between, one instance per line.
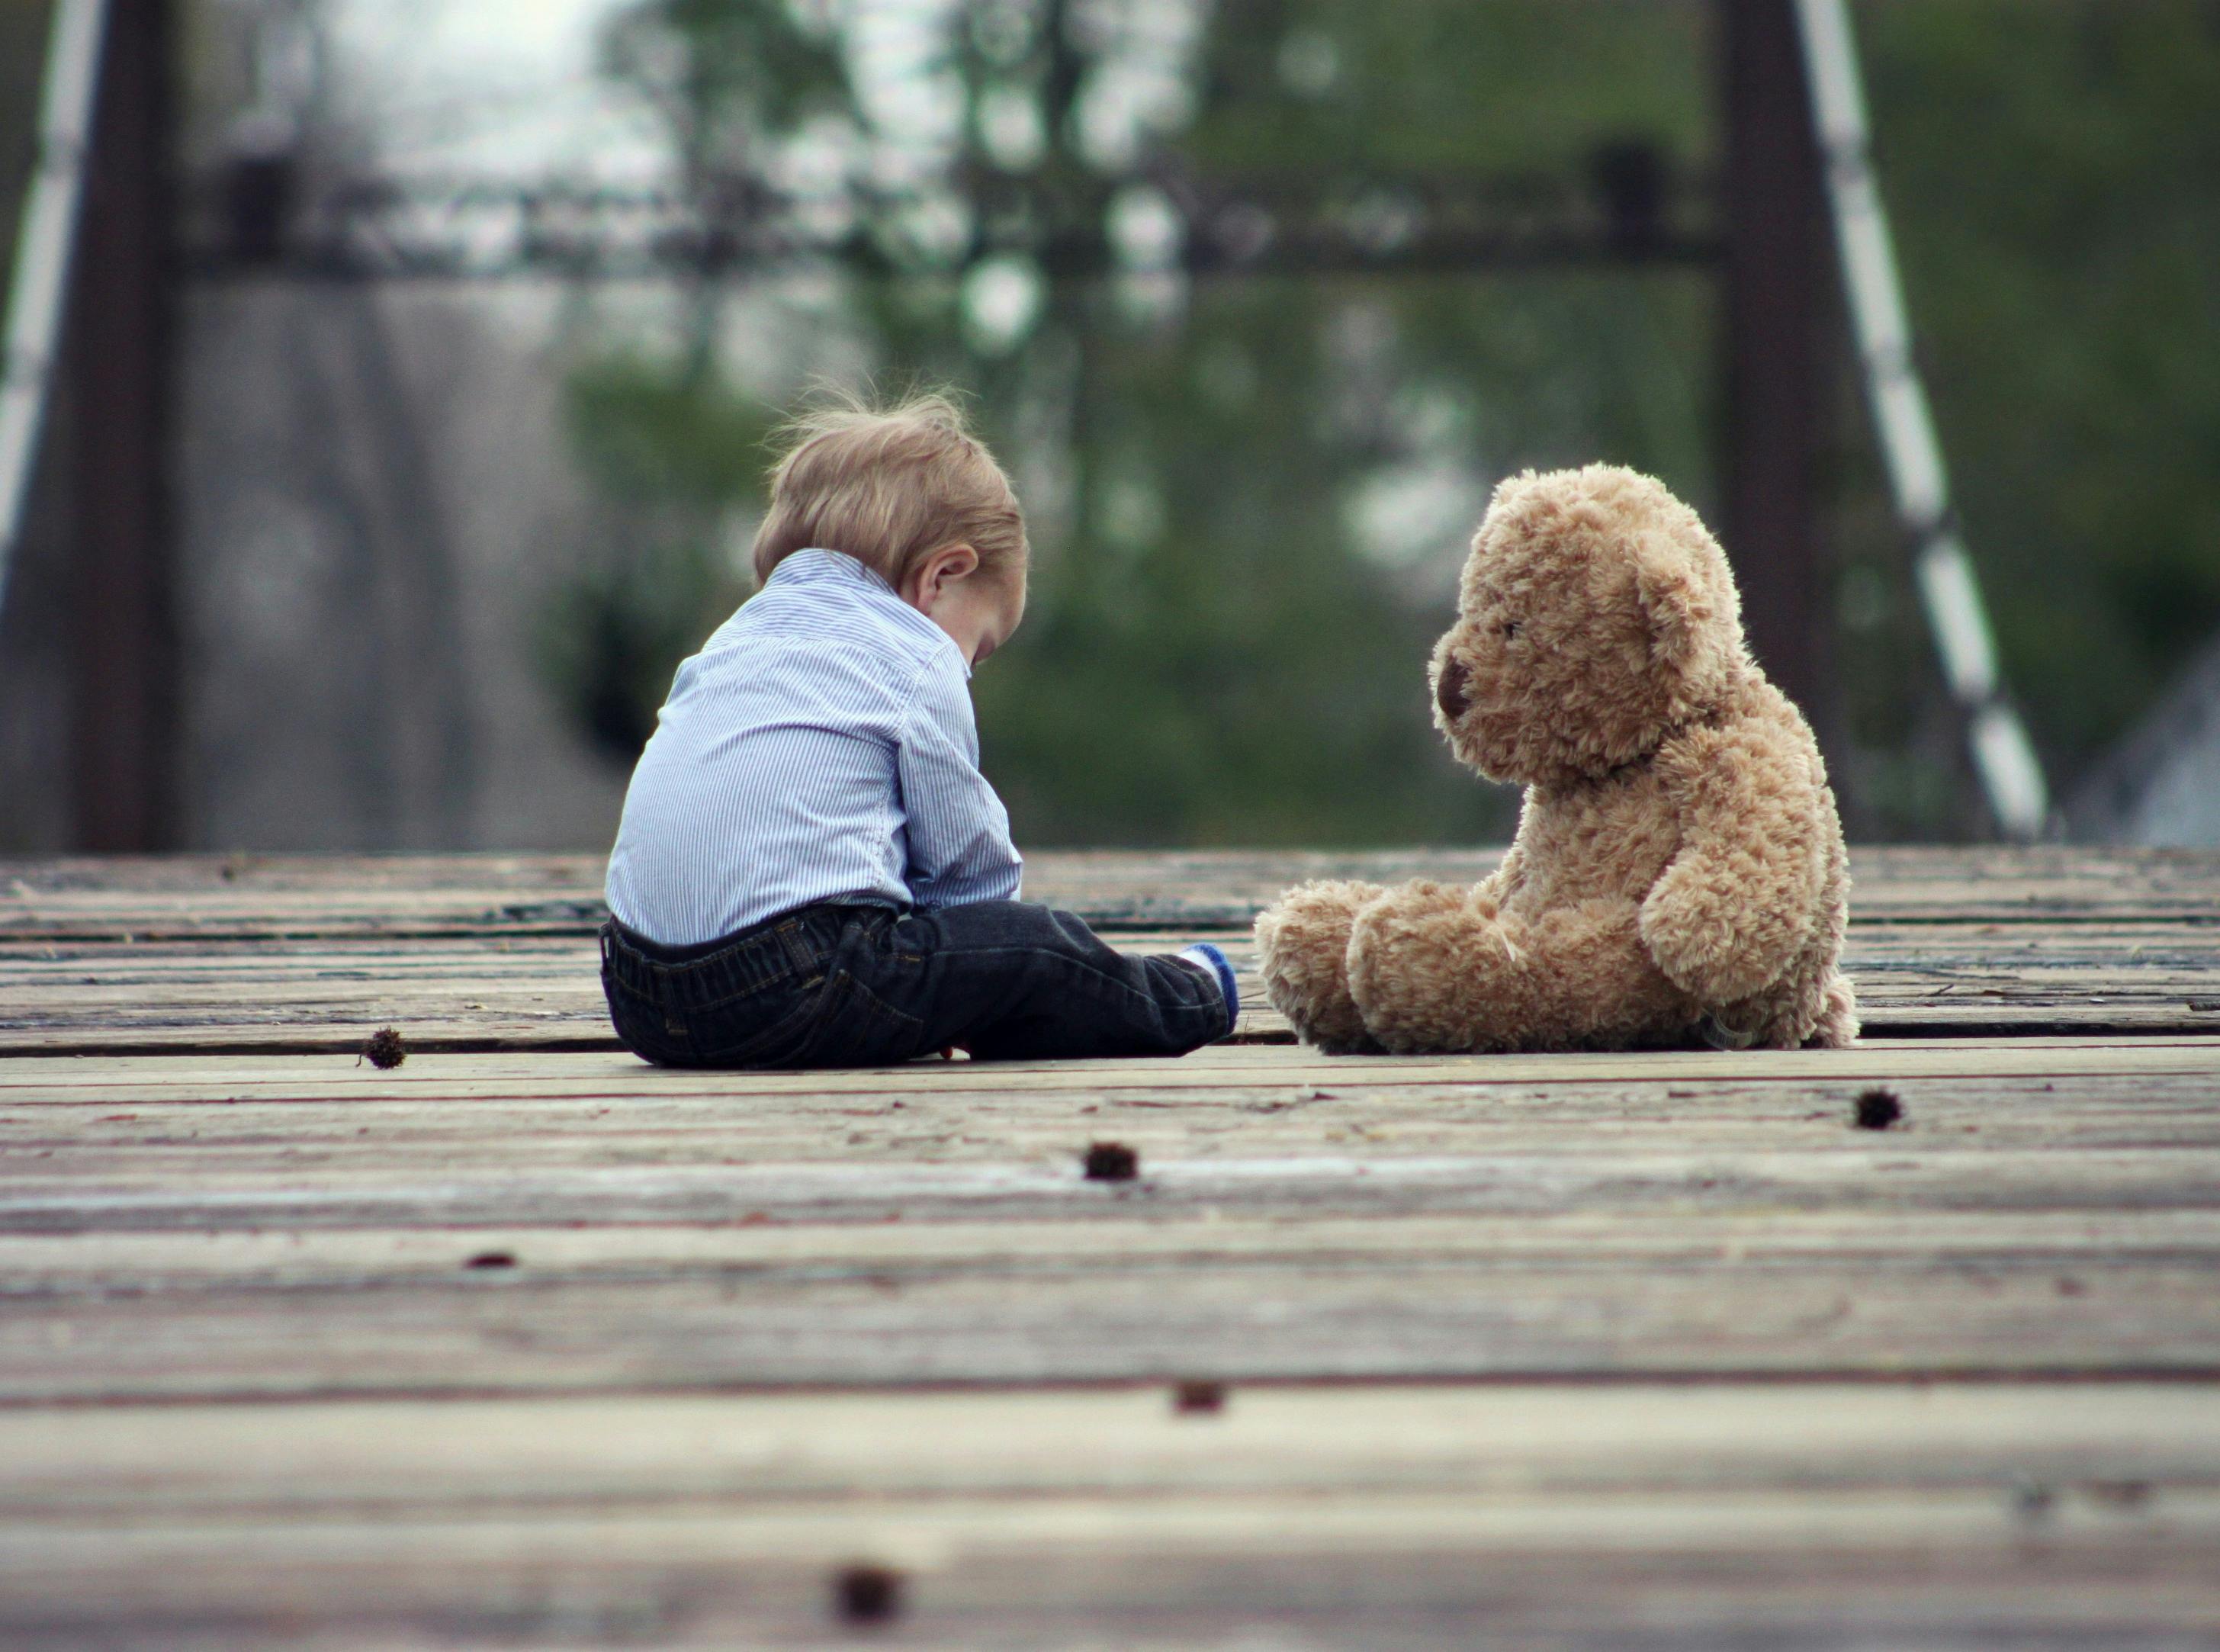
x=817, y=566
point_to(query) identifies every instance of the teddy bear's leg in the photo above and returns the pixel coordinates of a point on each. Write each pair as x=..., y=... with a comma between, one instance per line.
x=1445, y=969
x=1430, y=969
x=1599, y=986
x=1302, y=941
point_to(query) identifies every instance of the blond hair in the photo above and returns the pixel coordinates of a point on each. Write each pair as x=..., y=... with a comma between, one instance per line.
x=890, y=486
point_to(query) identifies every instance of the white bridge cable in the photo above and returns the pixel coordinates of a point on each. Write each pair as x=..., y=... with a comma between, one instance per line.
x=44, y=240
x=2004, y=758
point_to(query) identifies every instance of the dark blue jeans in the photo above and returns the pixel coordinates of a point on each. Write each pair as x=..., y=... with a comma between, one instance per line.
x=855, y=986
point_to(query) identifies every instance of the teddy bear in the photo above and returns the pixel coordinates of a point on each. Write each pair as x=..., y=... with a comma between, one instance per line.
x=1678, y=875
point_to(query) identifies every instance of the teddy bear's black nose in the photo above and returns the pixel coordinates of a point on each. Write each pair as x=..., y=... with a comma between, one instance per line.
x=1449, y=689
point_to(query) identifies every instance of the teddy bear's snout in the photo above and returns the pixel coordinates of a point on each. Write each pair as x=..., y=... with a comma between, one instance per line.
x=1450, y=689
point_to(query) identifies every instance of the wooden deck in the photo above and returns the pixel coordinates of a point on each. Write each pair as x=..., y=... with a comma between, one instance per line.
x=524, y=1344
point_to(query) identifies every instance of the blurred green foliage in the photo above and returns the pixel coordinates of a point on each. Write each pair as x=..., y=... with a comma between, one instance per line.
x=1236, y=486
x=664, y=453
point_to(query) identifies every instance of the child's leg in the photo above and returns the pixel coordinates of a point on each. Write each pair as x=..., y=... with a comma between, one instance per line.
x=1007, y=980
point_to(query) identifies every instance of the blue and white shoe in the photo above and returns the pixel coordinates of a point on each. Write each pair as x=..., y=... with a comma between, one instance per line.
x=1210, y=957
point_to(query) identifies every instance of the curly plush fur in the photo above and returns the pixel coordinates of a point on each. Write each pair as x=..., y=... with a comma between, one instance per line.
x=1679, y=872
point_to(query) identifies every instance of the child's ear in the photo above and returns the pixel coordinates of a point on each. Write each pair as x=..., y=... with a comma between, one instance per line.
x=931, y=580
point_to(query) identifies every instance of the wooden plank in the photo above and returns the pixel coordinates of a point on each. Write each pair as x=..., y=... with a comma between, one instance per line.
x=542, y=1347
x=74, y=1129
x=174, y=1220
x=207, y=897
x=1796, y=1569
x=55, y=1190
x=491, y=952
x=139, y=1465
x=1005, y=1321
x=539, y=993
x=219, y=1259
x=1414, y=1517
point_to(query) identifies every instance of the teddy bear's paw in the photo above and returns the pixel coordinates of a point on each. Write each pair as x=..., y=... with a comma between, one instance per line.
x=1302, y=942
x=1711, y=945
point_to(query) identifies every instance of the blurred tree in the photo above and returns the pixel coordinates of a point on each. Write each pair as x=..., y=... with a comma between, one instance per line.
x=669, y=449
x=1249, y=496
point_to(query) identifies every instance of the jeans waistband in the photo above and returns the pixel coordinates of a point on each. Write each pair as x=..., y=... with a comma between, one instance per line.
x=794, y=945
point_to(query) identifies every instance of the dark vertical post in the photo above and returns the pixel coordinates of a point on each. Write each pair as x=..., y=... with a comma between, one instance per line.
x=125, y=678
x=1775, y=284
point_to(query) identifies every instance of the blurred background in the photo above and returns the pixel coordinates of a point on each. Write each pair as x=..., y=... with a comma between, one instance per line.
x=419, y=355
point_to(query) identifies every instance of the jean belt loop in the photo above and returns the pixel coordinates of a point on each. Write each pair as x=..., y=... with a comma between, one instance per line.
x=793, y=933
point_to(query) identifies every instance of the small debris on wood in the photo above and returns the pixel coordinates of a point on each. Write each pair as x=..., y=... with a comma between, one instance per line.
x=1877, y=1109
x=2066, y=1285
x=2031, y=1500
x=1198, y=1399
x=492, y=1259
x=867, y=1594
x=1112, y=1161
x=385, y=1051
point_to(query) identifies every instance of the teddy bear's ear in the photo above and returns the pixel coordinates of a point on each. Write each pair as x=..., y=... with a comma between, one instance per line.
x=1673, y=603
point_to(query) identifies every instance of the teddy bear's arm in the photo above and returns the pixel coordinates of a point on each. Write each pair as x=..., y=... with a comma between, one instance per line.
x=1735, y=906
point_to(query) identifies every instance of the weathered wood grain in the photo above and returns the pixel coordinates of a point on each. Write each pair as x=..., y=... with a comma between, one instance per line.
x=540, y=1345
x=538, y=992
x=1796, y=1569
x=1816, y=1516
x=472, y=952
x=1211, y=1309
x=58, y=1191
x=210, y=897
x=169, y=1220
x=481, y=1458
x=69, y=1129
x=87, y=1262
x=1191, y=1303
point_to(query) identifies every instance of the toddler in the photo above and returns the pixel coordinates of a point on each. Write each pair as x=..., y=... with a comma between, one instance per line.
x=811, y=871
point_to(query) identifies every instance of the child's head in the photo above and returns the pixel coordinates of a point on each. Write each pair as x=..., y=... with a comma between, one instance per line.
x=914, y=496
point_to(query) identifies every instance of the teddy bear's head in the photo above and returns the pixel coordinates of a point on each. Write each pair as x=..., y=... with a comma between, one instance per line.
x=1595, y=615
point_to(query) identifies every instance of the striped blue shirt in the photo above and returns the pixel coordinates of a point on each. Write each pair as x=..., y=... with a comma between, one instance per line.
x=820, y=747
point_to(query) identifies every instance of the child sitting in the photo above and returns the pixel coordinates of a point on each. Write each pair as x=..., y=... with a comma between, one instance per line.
x=811, y=871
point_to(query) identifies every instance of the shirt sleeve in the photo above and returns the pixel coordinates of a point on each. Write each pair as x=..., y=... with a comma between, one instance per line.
x=960, y=833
